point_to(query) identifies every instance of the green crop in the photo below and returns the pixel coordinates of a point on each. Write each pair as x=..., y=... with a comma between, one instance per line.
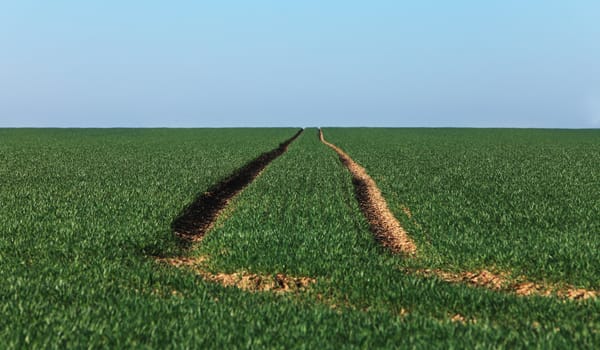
x=300, y=217
x=527, y=201
x=84, y=213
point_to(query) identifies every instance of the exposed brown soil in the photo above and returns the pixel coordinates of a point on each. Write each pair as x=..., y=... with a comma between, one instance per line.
x=384, y=225
x=503, y=282
x=200, y=215
x=391, y=234
x=278, y=283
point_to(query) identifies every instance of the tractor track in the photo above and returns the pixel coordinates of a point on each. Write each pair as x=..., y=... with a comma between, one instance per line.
x=507, y=283
x=390, y=233
x=200, y=216
x=384, y=225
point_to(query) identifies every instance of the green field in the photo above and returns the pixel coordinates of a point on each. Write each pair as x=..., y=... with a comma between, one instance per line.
x=85, y=213
x=527, y=201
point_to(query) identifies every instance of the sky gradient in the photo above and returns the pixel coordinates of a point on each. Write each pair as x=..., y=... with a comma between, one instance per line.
x=301, y=63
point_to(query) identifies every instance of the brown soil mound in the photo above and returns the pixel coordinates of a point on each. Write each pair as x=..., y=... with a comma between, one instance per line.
x=384, y=225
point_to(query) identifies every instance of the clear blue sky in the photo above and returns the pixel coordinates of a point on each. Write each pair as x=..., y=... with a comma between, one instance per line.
x=300, y=63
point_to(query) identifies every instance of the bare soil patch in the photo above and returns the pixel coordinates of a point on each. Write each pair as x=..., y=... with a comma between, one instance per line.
x=252, y=282
x=384, y=225
x=505, y=283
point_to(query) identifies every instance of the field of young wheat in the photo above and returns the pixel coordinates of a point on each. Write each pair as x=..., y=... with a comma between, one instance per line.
x=245, y=238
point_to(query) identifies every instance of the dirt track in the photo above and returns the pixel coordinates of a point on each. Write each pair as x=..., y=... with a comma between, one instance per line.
x=200, y=216
x=503, y=282
x=384, y=225
x=252, y=282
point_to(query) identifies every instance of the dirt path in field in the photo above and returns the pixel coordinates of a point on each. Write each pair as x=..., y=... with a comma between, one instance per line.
x=252, y=282
x=200, y=216
x=503, y=282
x=384, y=225
x=390, y=233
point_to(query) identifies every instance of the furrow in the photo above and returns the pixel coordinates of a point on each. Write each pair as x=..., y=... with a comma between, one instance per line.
x=383, y=224
x=201, y=214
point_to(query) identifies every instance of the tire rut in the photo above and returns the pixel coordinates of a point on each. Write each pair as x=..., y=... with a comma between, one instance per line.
x=384, y=225
x=504, y=282
x=390, y=233
x=199, y=217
